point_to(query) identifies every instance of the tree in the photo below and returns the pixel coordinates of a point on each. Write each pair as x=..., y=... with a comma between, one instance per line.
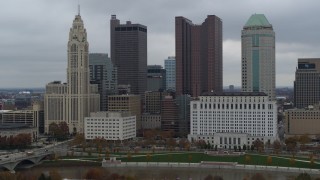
x=291, y=144
x=209, y=177
x=276, y=146
x=54, y=175
x=257, y=176
x=303, y=140
x=96, y=173
x=148, y=157
x=59, y=131
x=269, y=160
x=258, y=144
x=247, y=159
x=244, y=147
x=129, y=156
x=292, y=161
x=189, y=158
x=7, y=176
x=303, y=176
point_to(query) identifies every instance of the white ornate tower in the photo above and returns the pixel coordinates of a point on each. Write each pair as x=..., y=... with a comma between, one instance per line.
x=73, y=101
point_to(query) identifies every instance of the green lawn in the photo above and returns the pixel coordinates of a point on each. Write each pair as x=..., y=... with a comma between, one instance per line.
x=198, y=157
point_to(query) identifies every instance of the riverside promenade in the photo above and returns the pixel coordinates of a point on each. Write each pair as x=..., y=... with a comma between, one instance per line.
x=208, y=165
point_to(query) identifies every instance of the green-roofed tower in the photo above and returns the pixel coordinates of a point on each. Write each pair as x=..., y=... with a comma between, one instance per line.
x=258, y=20
x=258, y=56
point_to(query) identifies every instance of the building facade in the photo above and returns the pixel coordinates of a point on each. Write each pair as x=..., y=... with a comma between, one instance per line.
x=249, y=115
x=110, y=125
x=74, y=100
x=303, y=121
x=170, y=67
x=198, y=56
x=258, y=56
x=307, y=82
x=151, y=121
x=129, y=54
x=129, y=103
x=104, y=74
x=13, y=129
x=156, y=78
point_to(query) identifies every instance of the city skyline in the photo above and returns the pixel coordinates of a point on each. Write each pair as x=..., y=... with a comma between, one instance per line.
x=34, y=37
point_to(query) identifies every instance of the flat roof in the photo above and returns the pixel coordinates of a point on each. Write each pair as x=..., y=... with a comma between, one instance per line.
x=13, y=126
x=234, y=94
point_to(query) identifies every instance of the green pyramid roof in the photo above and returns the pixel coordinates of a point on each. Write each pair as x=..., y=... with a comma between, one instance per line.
x=257, y=20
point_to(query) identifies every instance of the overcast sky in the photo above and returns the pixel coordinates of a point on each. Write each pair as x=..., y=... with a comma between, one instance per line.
x=34, y=33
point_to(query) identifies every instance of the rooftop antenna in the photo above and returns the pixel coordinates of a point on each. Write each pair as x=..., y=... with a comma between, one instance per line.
x=78, y=8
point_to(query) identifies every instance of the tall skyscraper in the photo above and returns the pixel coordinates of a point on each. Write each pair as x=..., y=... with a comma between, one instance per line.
x=74, y=100
x=198, y=56
x=307, y=83
x=129, y=54
x=104, y=74
x=258, y=56
x=170, y=67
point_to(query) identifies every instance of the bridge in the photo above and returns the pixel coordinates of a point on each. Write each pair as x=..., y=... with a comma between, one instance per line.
x=30, y=157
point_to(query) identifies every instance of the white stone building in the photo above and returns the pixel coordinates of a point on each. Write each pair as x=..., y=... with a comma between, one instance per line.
x=110, y=125
x=229, y=119
x=74, y=100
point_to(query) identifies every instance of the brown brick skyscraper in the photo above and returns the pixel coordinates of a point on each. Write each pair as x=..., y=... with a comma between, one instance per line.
x=198, y=56
x=129, y=54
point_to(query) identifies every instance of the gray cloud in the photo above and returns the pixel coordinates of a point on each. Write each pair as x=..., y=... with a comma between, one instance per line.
x=34, y=33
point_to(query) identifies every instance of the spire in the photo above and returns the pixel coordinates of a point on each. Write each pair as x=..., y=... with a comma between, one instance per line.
x=78, y=8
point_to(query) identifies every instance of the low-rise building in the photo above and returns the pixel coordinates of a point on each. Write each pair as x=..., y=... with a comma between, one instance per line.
x=15, y=129
x=232, y=118
x=302, y=121
x=110, y=125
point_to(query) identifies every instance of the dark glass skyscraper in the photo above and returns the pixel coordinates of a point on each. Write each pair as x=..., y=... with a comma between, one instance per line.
x=307, y=82
x=198, y=56
x=129, y=54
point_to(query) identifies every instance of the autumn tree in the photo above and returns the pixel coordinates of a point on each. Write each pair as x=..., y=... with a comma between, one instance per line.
x=303, y=140
x=303, y=176
x=257, y=176
x=59, y=131
x=291, y=144
x=247, y=159
x=276, y=146
x=96, y=173
x=269, y=160
x=258, y=144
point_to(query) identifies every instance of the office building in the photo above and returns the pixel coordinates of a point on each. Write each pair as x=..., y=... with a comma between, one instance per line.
x=104, y=74
x=198, y=56
x=156, y=78
x=111, y=126
x=71, y=102
x=302, y=121
x=151, y=121
x=130, y=103
x=33, y=117
x=307, y=82
x=183, y=103
x=129, y=54
x=152, y=101
x=12, y=129
x=169, y=115
x=222, y=118
x=258, y=56
x=170, y=67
